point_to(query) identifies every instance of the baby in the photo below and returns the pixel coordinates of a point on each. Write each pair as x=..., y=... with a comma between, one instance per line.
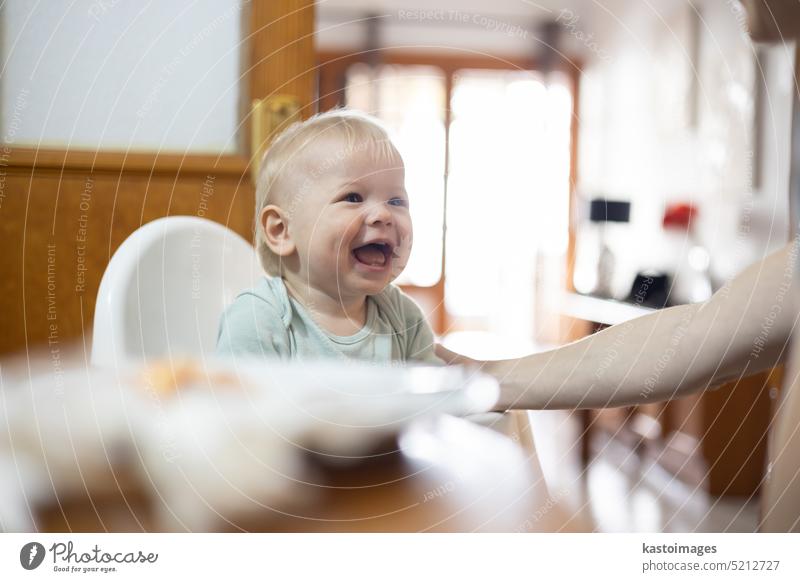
x=333, y=230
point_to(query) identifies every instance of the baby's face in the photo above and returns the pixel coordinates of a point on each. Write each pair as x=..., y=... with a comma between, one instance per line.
x=351, y=225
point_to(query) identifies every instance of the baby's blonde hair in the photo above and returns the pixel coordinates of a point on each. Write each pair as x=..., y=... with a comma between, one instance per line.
x=282, y=158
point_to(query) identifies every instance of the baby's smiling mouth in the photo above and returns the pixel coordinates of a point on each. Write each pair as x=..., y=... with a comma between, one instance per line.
x=375, y=254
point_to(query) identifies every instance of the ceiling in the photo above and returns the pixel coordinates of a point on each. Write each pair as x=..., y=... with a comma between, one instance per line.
x=507, y=27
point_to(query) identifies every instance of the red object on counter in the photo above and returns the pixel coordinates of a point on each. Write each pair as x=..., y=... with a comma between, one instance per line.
x=679, y=215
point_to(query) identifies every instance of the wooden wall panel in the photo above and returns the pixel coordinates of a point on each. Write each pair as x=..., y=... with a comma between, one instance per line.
x=60, y=230
x=48, y=198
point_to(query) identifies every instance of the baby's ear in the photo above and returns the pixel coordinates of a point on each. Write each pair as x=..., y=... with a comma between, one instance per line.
x=275, y=225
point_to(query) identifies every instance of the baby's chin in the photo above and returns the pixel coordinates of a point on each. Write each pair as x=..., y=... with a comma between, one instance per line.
x=397, y=267
x=376, y=287
x=368, y=288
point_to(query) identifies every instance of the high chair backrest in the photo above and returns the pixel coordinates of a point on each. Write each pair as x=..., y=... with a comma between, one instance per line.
x=165, y=288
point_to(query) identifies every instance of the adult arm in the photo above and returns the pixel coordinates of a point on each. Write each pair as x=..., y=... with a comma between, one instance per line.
x=742, y=329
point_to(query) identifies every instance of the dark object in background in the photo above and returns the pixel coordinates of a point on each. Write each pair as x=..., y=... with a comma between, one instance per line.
x=602, y=210
x=650, y=290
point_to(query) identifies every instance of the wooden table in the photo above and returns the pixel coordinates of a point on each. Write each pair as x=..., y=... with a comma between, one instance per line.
x=443, y=475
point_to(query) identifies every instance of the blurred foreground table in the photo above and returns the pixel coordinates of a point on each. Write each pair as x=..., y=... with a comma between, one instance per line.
x=441, y=474
x=444, y=475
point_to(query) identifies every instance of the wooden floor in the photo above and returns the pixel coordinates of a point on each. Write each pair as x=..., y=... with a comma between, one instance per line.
x=622, y=493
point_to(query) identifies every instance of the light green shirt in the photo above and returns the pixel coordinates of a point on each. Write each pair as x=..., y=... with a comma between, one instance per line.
x=266, y=321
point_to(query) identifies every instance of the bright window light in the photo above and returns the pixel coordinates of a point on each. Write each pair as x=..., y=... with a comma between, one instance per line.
x=508, y=195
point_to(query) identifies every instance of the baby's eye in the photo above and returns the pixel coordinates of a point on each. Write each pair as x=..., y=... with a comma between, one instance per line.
x=399, y=202
x=353, y=197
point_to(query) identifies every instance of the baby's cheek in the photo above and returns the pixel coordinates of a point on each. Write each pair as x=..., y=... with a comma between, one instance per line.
x=406, y=242
x=402, y=254
x=349, y=229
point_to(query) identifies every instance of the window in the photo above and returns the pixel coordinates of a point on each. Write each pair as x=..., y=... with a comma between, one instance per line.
x=125, y=76
x=508, y=195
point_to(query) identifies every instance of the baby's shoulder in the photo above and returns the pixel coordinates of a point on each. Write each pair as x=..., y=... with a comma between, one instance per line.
x=268, y=297
x=393, y=301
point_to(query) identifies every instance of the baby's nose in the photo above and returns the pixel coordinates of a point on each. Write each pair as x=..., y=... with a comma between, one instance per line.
x=379, y=212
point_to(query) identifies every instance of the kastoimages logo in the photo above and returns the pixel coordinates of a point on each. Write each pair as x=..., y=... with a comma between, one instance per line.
x=31, y=555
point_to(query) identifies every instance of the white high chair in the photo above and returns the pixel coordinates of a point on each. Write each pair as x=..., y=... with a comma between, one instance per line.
x=165, y=288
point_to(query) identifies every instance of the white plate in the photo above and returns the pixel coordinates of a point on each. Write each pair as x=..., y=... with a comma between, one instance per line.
x=232, y=434
x=345, y=408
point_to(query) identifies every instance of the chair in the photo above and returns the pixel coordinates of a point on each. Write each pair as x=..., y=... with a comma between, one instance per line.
x=165, y=288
